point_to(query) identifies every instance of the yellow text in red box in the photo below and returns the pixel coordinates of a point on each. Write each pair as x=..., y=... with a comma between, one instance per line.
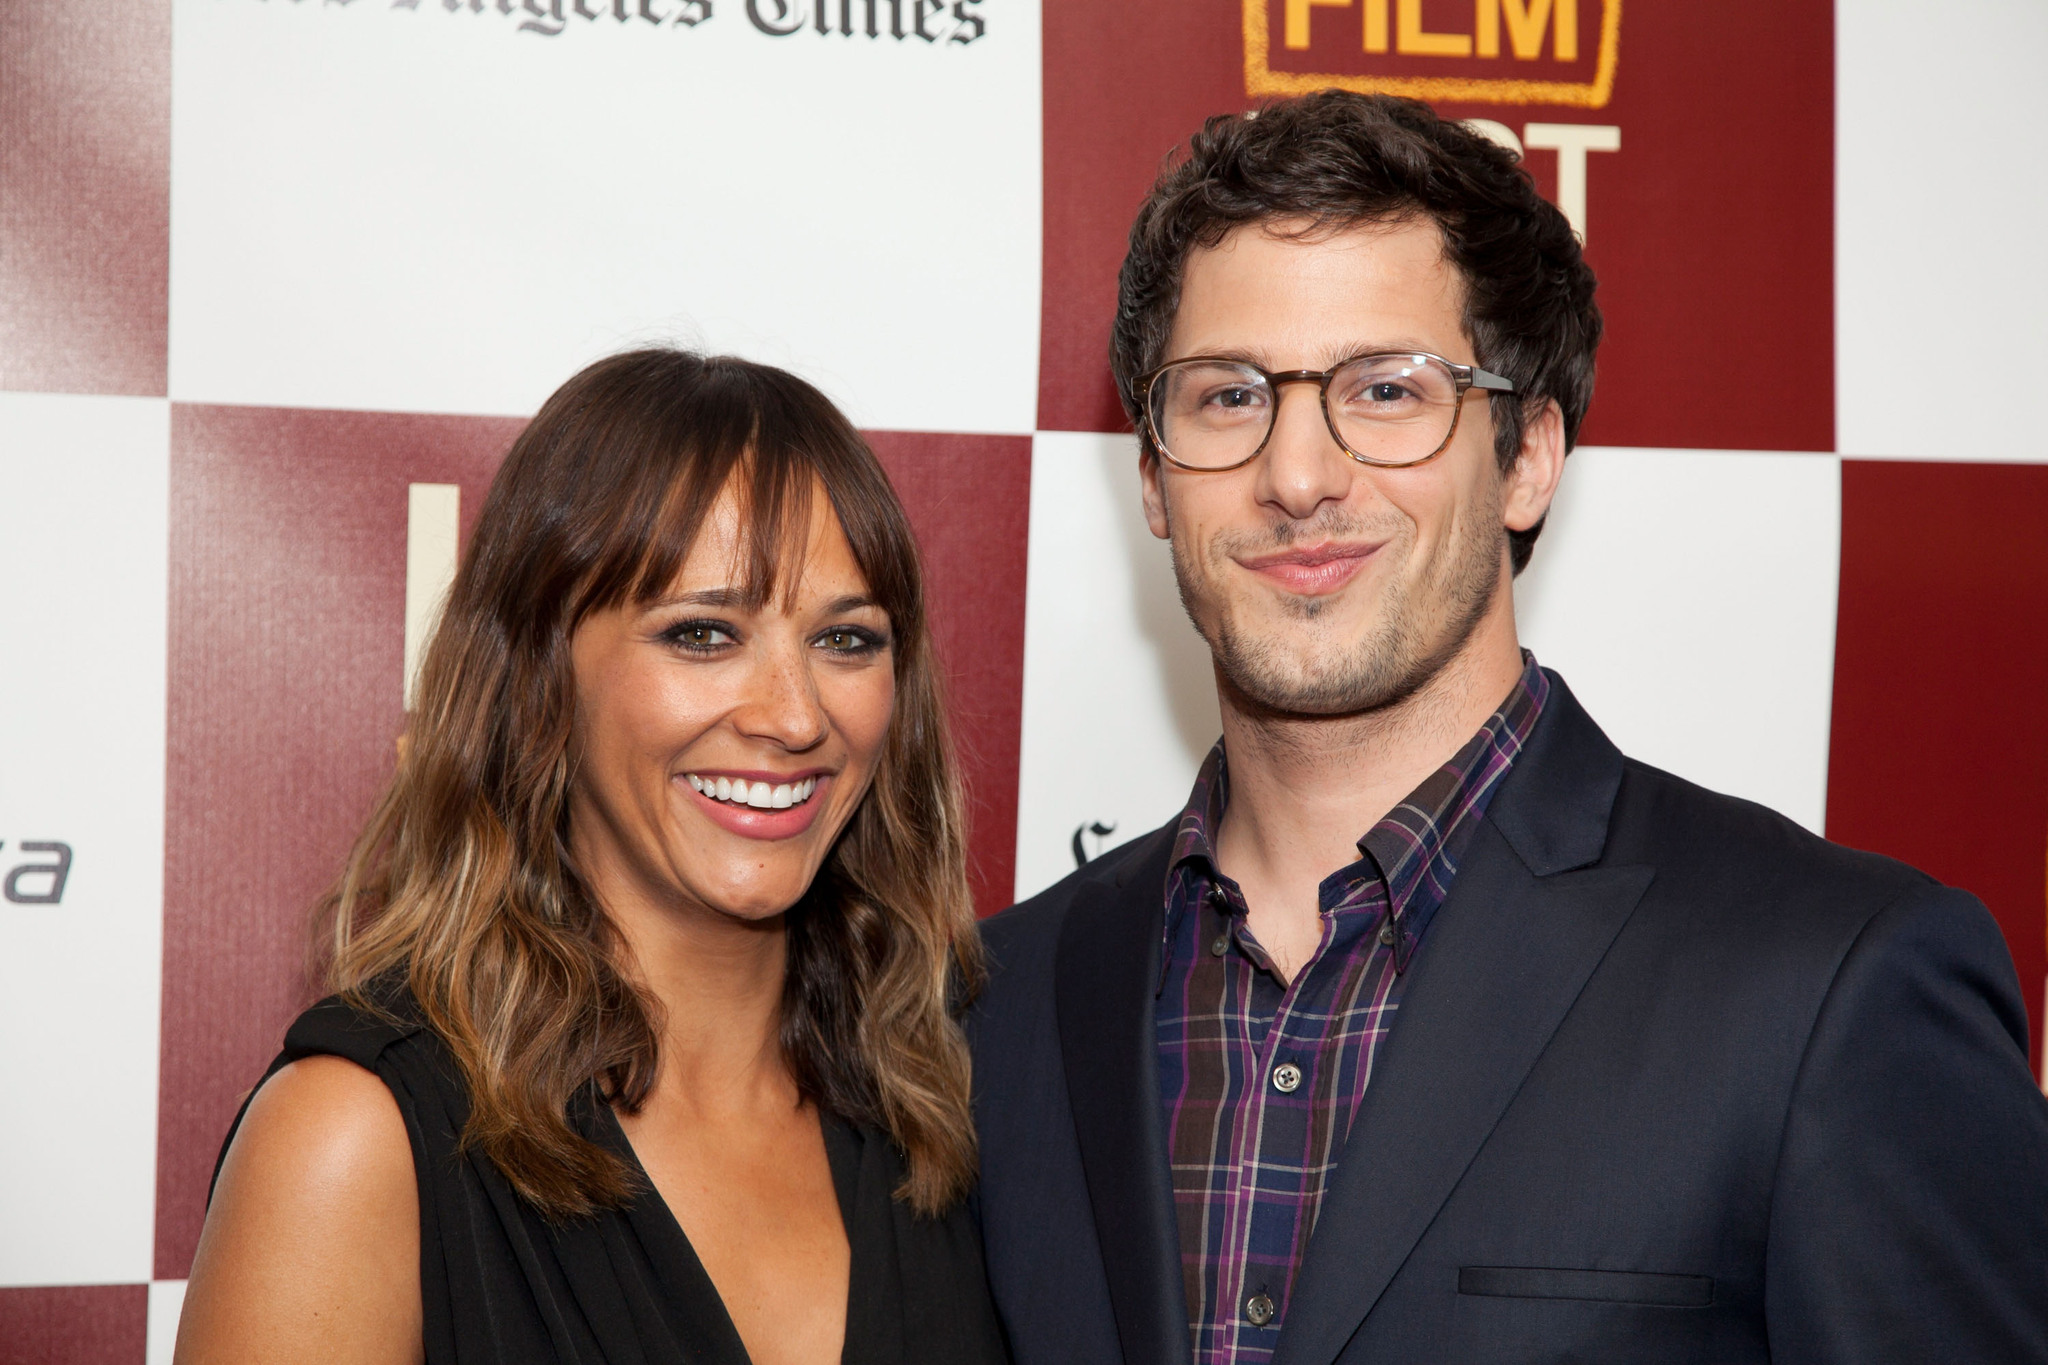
x=1396, y=50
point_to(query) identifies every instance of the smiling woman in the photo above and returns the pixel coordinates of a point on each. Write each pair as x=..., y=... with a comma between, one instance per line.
x=643, y=1043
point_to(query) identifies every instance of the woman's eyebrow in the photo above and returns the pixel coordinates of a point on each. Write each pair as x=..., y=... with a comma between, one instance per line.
x=732, y=597
x=706, y=597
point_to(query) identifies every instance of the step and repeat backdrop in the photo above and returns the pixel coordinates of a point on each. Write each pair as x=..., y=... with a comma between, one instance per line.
x=281, y=279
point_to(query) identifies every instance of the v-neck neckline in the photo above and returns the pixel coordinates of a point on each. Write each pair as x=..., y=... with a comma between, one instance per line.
x=675, y=1258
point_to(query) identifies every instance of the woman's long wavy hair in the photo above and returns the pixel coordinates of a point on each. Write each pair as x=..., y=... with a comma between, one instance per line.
x=463, y=884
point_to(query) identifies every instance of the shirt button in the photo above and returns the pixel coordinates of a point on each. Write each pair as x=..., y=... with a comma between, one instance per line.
x=1286, y=1077
x=1259, y=1308
x=1387, y=935
x=1220, y=946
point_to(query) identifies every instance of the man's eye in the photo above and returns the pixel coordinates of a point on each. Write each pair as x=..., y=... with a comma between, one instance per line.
x=1235, y=398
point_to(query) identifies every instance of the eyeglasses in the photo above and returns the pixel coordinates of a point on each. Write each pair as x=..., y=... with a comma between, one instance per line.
x=1390, y=410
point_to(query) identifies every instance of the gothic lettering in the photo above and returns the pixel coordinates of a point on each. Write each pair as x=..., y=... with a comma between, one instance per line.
x=547, y=17
x=787, y=19
x=895, y=18
x=1080, y=849
x=926, y=19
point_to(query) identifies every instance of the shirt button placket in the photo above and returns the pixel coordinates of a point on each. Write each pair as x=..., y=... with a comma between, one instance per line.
x=1220, y=903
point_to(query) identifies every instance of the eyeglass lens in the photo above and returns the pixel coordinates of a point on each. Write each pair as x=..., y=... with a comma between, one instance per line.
x=1385, y=409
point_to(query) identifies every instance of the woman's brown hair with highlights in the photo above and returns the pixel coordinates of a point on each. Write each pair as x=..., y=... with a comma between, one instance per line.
x=462, y=884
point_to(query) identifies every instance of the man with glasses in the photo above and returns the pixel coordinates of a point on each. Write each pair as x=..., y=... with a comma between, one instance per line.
x=1434, y=1029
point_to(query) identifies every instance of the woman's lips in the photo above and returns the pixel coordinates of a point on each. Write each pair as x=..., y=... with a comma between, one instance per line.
x=753, y=822
x=1313, y=571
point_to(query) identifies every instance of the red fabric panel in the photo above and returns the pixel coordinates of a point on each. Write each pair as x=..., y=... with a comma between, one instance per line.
x=1124, y=84
x=85, y=195
x=287, y=640
x=93, y=1324
x=1711, y=229
x=970, y=499
x=1939, y=749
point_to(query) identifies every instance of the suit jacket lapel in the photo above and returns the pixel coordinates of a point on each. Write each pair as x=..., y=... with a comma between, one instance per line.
x=1526, y=924
x=1107, y=974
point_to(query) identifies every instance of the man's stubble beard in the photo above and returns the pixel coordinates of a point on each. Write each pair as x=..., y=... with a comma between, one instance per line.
x=1421, y=627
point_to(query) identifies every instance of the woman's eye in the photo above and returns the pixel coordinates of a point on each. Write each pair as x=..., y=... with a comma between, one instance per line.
x=698, y=635
x=846, y=640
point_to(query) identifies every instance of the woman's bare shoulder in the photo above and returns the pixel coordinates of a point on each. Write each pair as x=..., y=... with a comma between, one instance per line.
x=325, y=1116
x=311, y=1243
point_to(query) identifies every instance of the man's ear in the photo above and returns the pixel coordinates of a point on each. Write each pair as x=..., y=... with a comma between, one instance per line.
x=1151, y=481
x=1532, y=483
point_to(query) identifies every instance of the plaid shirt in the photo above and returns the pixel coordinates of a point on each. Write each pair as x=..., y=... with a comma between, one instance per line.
x=1260, y=1079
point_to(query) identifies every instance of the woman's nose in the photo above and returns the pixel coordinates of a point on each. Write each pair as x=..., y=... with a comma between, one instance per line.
x=782, y=704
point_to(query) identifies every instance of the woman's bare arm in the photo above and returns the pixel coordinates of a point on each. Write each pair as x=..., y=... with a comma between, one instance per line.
x=311, y=1249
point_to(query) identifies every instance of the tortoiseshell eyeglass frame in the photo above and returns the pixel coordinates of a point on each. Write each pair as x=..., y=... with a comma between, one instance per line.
x=1466, y=377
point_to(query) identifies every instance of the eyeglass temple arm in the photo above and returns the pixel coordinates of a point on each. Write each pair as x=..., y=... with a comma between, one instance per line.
x=1487, y=379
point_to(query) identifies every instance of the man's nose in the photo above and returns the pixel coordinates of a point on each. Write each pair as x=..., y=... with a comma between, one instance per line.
x=1303, y=466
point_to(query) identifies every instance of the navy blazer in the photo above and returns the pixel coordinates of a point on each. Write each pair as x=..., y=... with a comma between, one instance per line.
x=1672, y=1080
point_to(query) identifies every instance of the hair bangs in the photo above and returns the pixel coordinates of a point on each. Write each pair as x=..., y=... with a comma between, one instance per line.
x=685, y=454
x=790, y=448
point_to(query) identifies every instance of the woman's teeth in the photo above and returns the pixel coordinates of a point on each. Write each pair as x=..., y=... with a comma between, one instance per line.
x=759, y=795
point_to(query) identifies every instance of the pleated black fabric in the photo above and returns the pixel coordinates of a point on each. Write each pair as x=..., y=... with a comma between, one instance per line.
x=500, y=1283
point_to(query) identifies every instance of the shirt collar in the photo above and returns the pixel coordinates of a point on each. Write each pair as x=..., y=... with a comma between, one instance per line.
x=1408, y=842
x=1202, y=817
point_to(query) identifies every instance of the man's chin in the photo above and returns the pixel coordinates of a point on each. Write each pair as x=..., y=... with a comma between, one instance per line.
x=1323, y=699
x=1286, y=675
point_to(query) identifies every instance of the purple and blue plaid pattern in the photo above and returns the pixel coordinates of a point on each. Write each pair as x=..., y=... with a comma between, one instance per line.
x=1252, y=1141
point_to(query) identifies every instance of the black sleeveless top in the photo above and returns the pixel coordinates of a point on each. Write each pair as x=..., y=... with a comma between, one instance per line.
x=499, y=1282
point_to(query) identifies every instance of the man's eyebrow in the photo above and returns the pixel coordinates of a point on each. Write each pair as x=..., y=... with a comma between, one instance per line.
x=1336, y=355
